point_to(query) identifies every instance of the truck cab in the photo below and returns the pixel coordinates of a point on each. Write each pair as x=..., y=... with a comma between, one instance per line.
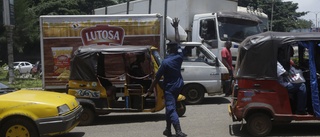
x=214, y=29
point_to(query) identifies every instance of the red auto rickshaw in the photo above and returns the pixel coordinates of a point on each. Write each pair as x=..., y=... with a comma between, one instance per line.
x=258, y=97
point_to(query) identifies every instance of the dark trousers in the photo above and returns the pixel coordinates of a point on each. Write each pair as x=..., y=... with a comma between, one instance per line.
x=171, y=113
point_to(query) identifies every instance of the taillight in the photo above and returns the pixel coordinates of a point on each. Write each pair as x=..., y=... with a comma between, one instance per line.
x=225, y=76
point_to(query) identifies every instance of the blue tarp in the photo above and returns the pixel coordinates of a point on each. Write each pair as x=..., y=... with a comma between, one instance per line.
x=313, y=78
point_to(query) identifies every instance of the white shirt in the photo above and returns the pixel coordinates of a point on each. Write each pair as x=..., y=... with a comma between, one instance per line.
x=281, y=79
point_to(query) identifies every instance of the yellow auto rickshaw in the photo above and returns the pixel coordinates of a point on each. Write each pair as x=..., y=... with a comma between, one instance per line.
x=102, y=79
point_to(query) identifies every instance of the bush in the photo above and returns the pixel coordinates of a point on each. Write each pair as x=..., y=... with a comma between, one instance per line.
x=20, y=80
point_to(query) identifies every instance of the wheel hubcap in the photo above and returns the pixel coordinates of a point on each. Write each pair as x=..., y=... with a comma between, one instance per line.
x=259, y=126
x=17, y=131
x=193, y=94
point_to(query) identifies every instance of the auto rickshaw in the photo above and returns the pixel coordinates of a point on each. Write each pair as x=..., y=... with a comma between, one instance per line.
x=92, y=68
x=258, y=97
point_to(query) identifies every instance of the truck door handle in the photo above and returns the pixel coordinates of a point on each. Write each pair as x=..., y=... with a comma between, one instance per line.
x=182, y=69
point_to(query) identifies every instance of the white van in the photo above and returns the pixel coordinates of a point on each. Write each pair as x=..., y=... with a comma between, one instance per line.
x=202, y=73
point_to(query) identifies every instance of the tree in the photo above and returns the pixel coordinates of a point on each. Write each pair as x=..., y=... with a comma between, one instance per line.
x=284, y=13
x=89, y=5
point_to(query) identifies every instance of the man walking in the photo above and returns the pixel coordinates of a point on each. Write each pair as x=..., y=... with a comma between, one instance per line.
x=227, y=61
x=170, y=69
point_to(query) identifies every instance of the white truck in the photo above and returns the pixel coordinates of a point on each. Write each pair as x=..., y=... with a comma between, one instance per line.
x=211, y=22
x=264, y=25
x=61, y=35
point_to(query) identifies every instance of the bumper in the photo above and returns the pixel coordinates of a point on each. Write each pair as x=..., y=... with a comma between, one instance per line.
x=59, y=124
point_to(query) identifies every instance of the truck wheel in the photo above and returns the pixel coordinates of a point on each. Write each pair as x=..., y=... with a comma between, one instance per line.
x=18, y=127
x=194, y=94
x=259, y=124
x=181, y=108
x=87, y=117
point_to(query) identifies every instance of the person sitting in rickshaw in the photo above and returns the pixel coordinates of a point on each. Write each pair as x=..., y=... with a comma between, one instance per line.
x=294, y=88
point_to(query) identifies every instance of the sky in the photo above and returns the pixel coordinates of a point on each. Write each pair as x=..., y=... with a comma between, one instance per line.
x=309, y=5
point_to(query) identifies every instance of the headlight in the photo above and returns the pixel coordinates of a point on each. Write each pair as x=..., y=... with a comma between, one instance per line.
x=63, y=109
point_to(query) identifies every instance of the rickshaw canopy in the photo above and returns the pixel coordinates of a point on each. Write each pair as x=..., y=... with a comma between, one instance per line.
x=84, y=63
x=258, y=54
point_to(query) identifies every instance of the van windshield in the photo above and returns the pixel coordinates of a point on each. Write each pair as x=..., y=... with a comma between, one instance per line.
x=236, y=29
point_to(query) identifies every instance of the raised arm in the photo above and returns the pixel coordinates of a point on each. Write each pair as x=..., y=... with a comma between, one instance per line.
x=175, y=24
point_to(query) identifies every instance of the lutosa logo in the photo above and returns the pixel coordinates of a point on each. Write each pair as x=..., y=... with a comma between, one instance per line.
x=102, y=35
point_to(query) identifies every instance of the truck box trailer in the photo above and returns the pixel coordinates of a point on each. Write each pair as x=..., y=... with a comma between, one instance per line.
x=61, y=35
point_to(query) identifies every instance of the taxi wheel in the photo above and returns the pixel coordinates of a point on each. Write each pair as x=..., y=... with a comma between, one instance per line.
x=87, y=117
x=18, y=127
x=259, y=124
x=194, y=94
x=181, y=108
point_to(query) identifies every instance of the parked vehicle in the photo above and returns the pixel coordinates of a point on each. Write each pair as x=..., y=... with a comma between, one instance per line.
x=211, y=21
x=118, y=30
x=37, y=113
x=21, y=67
x=94, y=69
x=36, y=69
x=258, y=98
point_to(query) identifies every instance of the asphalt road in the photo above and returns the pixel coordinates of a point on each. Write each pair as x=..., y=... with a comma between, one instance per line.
x=209, y=119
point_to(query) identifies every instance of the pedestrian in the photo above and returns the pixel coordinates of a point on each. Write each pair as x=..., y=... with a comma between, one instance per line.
x=227, y=62
x=170, y=69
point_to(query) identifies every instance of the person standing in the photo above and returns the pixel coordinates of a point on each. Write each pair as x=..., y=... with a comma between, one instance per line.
x=227, y=62
x=170, y=69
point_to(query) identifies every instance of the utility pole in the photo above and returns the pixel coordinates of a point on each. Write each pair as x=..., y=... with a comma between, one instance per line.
x=8, y=19
x=272, y=5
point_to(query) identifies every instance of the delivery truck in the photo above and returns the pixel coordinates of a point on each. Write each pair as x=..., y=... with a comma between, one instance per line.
x=62, y=35
x=212, y=22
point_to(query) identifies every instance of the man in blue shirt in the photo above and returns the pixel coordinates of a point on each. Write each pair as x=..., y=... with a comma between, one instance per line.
x=170, y=69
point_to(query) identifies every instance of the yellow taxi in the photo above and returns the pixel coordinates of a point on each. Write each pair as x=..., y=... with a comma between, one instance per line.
x=34, y=113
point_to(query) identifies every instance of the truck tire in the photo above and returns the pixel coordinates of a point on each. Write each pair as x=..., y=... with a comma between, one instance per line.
x=259, y=124
x=194, y=94
x=18, y=127
x=181, y=108
x=87, y=117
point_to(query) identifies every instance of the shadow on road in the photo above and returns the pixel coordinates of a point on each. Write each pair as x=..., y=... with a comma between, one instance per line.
x=292, y=129
x=214, y=100
x=132, y=118
x=72, y=134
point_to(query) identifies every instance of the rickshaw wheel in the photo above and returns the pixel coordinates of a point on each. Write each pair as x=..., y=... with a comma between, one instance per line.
x=87, y=117
x=181, y=108
x=259, y=124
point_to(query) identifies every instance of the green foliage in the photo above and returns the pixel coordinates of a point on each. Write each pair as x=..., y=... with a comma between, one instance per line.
x=284, y=13
x=21, y=81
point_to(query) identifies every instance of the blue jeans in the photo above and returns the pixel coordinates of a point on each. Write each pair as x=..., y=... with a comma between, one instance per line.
x=300, y=90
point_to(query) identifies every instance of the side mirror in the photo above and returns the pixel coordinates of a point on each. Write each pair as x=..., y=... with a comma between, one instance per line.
x=217, y=62
x=212, y=44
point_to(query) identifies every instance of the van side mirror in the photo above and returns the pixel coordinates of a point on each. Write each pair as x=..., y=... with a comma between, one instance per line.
x=212, y=44
x=217, y=62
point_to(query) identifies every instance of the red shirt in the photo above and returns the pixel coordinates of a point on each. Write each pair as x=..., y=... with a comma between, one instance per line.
x=225, y=53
